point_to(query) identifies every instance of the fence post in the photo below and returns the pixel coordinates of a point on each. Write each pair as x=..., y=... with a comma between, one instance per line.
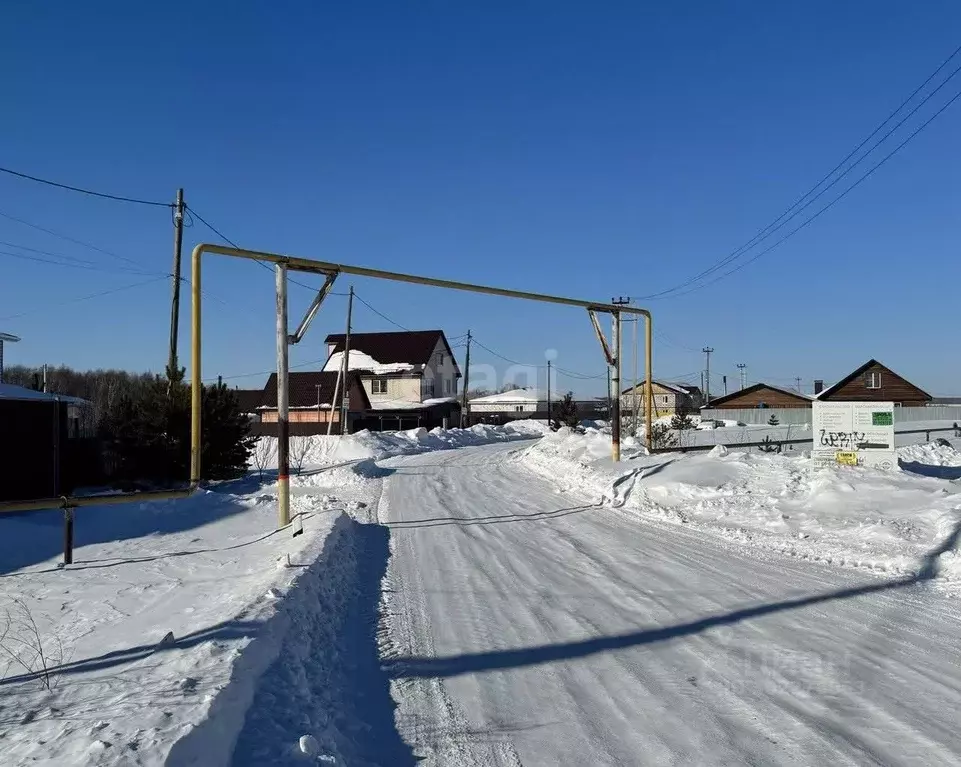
x=67, y=535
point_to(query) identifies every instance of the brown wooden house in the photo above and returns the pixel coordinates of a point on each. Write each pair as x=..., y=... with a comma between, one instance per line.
x=761, y=395
x=311, y=401
x=873, y=382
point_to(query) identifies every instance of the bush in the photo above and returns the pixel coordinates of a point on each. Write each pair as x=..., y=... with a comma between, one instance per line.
x=662, y=436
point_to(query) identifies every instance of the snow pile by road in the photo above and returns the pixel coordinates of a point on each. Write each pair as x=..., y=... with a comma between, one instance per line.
x=321, y=450
x=167, y=618
x=884, y=521
x=930, y=454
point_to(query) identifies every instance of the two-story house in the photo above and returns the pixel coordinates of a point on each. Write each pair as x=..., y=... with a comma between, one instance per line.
x=667, y=399
x=410, y=377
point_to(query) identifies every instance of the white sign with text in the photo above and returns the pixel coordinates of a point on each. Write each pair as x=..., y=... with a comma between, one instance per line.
x=854, y=433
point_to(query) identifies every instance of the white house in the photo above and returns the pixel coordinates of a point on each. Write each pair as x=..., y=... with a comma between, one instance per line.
x=525, y=400
x=405, y=373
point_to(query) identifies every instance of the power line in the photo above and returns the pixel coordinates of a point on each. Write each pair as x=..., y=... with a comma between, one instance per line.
x=74, y=264
x=230, y=242
x=569, y=373
x=68, y=238
x=86, y=298
x=381, y=314
x=68, y=187
x=788, y=215
x=830, y=205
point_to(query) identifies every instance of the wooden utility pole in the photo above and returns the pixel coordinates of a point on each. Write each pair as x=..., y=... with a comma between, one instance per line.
x=707, y=374
x=283, y=426
x=465, y=403
x=798, y=380
x=172, y=368
x=342, y=405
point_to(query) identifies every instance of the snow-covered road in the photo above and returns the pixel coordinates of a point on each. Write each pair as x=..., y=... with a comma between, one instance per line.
x=529, y=627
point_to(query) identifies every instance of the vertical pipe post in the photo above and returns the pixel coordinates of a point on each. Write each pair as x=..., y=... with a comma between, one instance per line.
x=196, y=401
x=548, y=394
x=283, y=427
x=616, y=387
x=634, y=384
x=342, y=405
x=648, y=375
x=67, y=535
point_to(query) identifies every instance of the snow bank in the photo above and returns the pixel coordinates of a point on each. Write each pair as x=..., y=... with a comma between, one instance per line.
x=883, y=521
x=321, y=450
x=167, y=605
x=930, y=454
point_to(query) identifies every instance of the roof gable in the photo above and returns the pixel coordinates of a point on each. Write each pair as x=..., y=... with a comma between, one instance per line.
x=754, y=388
x=676, y=388
x=823, y=394
x=413, y=347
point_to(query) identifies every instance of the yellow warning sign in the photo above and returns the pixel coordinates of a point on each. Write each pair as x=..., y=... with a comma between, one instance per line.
x=846, y=458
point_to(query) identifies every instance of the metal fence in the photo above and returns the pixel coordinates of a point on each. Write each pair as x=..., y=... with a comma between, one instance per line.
x=800, y=415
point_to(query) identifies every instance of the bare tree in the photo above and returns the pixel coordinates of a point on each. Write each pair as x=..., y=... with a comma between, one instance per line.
x=22, y=642
x=260, y=456
x=299, y=447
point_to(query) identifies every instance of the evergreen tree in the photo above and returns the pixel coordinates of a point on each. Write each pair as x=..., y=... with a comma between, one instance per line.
x=682, y=419
x=773, y=420
x=565, y=411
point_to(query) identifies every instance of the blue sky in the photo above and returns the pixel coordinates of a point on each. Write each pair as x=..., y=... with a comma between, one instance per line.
x=571, y=148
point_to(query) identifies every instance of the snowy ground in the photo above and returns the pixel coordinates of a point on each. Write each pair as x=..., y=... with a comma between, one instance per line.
x=212, y=570
x=858, y=517
x=502, y=604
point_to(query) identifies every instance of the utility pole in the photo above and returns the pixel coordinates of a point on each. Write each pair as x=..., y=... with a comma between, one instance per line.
x=172, y=368
x=548, y=394
x=45, y=378
x=798, y=380
x=465, y=406
x=724, y=378
x=743, y=368
x=283, y=426
x=707, y=375
x=342, y=405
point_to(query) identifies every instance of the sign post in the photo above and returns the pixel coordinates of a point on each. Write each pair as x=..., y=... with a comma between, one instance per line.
x=854, y=434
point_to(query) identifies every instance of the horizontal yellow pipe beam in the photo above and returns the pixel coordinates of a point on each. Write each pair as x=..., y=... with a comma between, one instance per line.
x=328, y=267
x=72, y=502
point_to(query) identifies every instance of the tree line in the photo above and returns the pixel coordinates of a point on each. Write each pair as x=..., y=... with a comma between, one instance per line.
x=141, y=422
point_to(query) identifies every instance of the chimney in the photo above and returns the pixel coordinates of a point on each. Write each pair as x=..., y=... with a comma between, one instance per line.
x=818, y=386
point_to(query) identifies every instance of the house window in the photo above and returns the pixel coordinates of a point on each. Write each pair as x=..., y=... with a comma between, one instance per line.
x=518, y=408
x=378, y=386
x=872, y=380
x=429, y=389
x=447, y=386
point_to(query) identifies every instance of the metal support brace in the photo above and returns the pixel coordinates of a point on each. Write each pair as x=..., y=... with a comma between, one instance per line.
x=298, y=335
x=608, y=355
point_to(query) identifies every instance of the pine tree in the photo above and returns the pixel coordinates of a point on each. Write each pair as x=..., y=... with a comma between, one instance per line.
x=773, y=420
x=565, y=411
